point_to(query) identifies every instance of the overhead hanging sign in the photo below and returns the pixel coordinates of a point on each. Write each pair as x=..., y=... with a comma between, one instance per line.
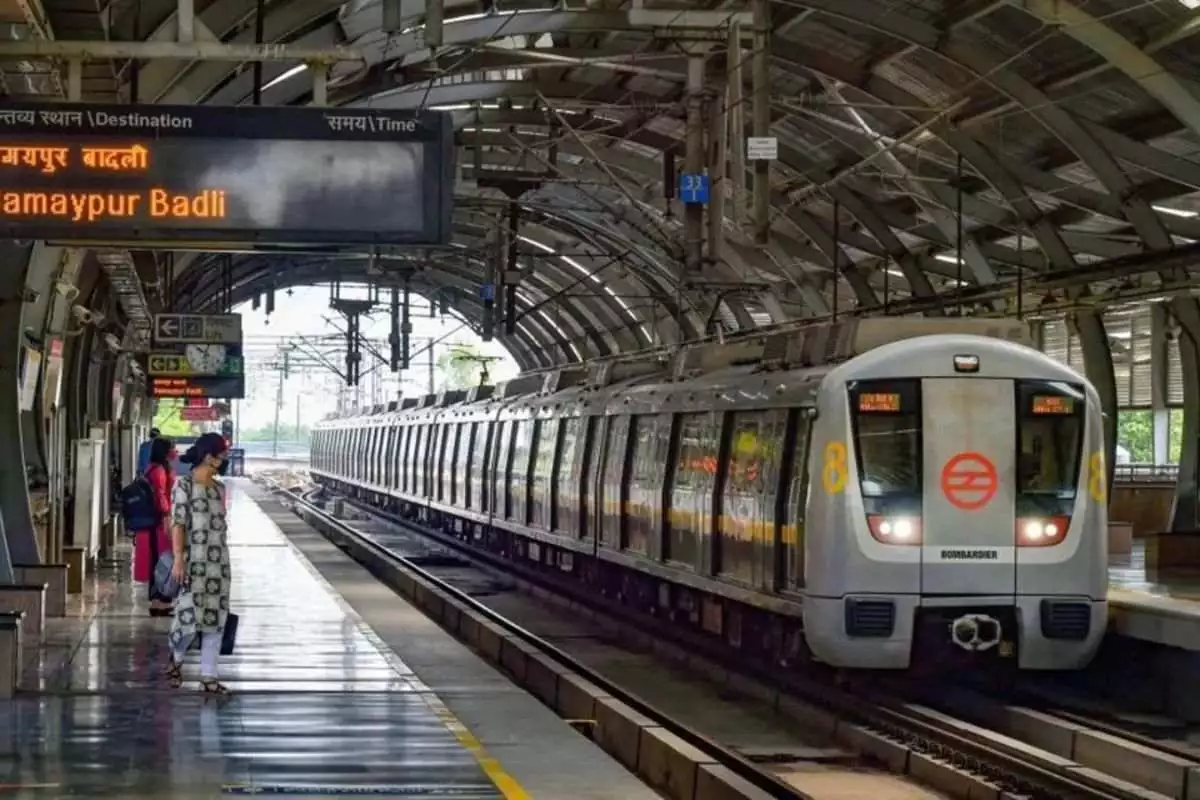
x=197, y=328
x=225, y=174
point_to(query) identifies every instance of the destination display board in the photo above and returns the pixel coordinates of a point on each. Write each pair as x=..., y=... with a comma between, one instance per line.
x=210, y=386
x=236, y=174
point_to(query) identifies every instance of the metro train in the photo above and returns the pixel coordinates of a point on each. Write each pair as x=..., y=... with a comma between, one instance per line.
x=871, y=494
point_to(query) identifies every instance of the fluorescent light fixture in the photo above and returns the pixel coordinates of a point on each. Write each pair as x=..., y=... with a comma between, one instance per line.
x=291, y=73
x=949, y=258
x=895, y=272
x=1179, y=212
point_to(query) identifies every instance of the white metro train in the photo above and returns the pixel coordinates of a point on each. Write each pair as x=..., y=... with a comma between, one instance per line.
x=873, y=493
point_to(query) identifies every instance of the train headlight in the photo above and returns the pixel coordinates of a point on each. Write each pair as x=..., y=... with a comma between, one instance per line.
x=895, y=529
x=1041, y=531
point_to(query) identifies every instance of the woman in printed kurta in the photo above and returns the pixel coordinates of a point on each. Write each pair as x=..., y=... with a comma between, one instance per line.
x=201, y=566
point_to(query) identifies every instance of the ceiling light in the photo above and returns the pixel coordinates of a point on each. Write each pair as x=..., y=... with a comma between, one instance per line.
x=1180, y=212
x=949, y=258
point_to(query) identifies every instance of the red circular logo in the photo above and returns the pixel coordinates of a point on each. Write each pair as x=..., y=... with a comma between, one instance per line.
x=969, y=481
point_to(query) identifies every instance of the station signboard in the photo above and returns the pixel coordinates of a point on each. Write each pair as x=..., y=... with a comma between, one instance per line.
x=206, y=386
x=237, y=174
x=196, y=356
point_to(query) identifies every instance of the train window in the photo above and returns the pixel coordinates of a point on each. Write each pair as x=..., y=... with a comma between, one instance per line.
x=435, y=460
x=543, y=472
x=792, y=557
x=518, y=477
x=643, y=508
x=1051, y=446
x=887, y=448
x=418, y=461
x=565, y=491
x=692, y=492
x=500, y=457
x=450, y=436
x=748, y=502
x=613, y=489
x=479, y=456
x=577, y=517
x=462, y=477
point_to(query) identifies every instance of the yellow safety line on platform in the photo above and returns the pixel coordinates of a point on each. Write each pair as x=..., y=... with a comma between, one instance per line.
x=506, y=783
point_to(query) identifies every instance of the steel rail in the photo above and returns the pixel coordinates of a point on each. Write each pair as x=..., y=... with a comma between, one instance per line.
x=1001, y=759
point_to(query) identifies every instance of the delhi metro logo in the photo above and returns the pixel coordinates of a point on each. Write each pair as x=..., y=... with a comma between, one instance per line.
x=969, y=481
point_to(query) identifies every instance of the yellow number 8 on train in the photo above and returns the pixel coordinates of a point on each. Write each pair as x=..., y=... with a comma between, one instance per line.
x=834, y=472
x=1097, y=477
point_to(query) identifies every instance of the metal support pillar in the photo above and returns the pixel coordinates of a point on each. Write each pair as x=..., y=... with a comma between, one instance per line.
x=405, y=330
x=394, y=336
x=260, y=14
x=320, y=84
x=1185, y=514
x=1158, y=384
x=718, y=148
x=1098, y=364
x=761, y=109
x=735, y=110
x=186, y=20
x=693, y=161
x=511, y=270
x=434, y=12
x=75, y=80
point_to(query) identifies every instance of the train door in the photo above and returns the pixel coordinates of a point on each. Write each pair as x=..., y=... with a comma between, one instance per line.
x=968, y=500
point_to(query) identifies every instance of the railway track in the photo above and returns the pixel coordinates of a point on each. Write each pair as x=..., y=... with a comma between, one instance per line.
x=934, y=747
x=1156, y=753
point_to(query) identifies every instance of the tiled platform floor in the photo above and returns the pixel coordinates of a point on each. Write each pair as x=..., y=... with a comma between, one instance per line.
x=319, y=706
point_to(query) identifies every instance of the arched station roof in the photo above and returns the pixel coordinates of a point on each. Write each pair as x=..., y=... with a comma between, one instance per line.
x=1065, y=134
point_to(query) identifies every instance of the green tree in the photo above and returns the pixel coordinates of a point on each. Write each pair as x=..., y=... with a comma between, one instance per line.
x=168, y=420
x=1135, y=432
x=459, y=367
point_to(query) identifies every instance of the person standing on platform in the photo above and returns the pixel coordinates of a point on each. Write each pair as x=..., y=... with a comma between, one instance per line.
x=150, y=544
x=144, y=452
x=202, y=566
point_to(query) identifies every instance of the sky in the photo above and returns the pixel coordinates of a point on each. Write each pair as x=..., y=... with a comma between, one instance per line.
x=312, y=389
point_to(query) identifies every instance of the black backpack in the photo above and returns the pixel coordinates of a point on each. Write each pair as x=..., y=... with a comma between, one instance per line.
x=139, y=507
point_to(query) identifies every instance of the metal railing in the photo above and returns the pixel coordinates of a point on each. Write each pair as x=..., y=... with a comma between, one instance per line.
x=1146, y=473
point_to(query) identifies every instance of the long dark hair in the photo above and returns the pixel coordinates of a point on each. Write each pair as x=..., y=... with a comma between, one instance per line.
x=160, y=451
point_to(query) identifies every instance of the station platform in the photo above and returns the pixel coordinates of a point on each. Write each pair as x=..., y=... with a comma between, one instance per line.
x=1162, y=608
x=339, y=687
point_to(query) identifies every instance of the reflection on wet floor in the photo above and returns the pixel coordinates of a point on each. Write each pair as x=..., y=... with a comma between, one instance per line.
x=318, y=707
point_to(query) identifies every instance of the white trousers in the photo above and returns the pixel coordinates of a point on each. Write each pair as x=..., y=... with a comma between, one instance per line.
x=210, y=649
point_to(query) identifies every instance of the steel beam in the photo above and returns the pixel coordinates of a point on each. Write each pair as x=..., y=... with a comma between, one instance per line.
x=1185, y=515
x=682, y=24
x=1139, y=66
x=177, y=51
x=1098, y=364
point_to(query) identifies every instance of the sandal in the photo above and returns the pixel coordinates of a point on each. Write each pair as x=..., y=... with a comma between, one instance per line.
x=214, y=687
x=174, y=673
